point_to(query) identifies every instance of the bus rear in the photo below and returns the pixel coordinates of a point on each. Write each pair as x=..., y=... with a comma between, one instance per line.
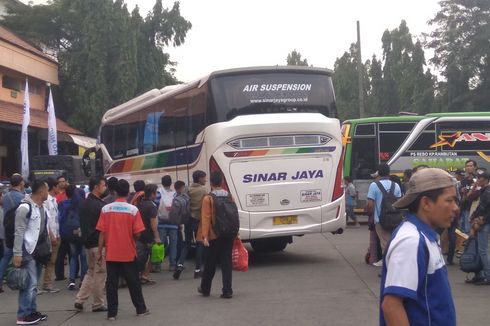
x=279, y=146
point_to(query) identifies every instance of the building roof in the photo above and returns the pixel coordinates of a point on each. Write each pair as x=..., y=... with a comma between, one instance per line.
x=8, y=36
x=12, y=113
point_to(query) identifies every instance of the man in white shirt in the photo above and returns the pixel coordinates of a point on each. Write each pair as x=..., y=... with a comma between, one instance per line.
x=27, y=230
x=51, y=208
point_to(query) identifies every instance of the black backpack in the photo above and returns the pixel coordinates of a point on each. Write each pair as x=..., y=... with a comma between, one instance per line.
x=9, y=224
x=389, y=217
x=227, y=220
x=470, y=261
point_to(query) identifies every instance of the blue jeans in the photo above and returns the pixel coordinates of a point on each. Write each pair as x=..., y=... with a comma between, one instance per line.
x=464, y=221
x=77, y=252
x=349, y=210
x=482, y=239
x=7, y=257
x=171, y=243
x=190, y=231
x=27, y=297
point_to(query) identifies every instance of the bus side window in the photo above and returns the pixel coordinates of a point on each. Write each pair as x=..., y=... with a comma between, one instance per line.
x=363, y=161
x=425, y=140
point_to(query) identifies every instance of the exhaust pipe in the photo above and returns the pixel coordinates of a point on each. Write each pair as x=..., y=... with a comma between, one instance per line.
x=339, y=231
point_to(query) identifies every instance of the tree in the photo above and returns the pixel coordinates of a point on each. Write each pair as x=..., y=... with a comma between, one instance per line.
x=294, y=59
x=106, y=55
x=461, y=43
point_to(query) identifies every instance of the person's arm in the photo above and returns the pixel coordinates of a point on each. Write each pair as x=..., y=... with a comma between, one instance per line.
x=20, y=229
x=393, y=311
x=138, y=226
x=100, y=247
x=206, y=215
x=370, y=206
x=154, y=228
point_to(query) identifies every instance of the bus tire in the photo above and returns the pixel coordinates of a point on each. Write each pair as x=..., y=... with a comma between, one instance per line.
x=270, y=244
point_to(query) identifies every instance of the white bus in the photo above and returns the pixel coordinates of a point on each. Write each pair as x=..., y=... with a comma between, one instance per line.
x=272, y=131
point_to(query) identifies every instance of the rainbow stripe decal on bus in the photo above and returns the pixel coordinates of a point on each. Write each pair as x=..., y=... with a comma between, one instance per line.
x=282, y=151
x=182, y=156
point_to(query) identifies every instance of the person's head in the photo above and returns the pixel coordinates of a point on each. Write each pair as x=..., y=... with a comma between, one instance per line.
x=470, y=167
x=139, y=185
x=482, y=177
x=112, y=184
x=39, y=190
x=97, y=186
x=199, y=176
x=383, y=170
x=150, y=191
x=418, y=168
x=122, y=188
x=459, y=174
x=17, y=182
x=52, y=184
x=347, y=179
x=166, y=181
x=396, y=179
x=407, y=174
x=62, y=183
x=216, y=178
x=70, y=191
x=431, y=195
x=179, y=186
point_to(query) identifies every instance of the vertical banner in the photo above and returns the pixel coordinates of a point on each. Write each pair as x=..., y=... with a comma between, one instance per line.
x=52, y=131
x=24, y=137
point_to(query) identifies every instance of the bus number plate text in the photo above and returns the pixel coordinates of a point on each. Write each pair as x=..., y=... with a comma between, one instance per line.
x=285, y=220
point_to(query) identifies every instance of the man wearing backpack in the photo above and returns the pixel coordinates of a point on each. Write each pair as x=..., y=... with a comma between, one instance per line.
x=218, y=228
x=374, y=205
x=30, y=225
x=415, y=288
x=11, y=201
x=165, y=197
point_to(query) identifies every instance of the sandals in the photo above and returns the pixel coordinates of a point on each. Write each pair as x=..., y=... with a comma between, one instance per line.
x=148, y=281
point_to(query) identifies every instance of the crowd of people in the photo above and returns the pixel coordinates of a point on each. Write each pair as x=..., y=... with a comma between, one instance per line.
x=406, y=220
x=106, y=238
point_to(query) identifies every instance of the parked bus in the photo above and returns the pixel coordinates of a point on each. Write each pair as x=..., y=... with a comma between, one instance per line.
x=272, y=131
x=446, y=141
x=369, y=142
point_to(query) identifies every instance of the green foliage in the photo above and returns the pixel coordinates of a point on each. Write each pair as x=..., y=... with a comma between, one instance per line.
x=106, y=55
x=294, y=59
x=461, y=43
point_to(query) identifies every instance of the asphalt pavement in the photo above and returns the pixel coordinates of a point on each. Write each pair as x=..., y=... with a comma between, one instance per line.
x=317, y=280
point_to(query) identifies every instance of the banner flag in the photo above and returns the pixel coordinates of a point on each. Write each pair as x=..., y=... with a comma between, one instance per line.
x=52, y=131
x=24, y=141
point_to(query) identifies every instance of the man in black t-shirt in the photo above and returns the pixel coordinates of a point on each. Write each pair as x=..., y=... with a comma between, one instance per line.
x=149, y=212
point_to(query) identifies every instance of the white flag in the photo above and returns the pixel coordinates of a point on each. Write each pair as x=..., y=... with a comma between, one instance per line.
x=24, y=143
x=52, y=131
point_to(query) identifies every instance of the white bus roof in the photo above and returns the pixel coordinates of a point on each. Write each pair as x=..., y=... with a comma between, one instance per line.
x=156, y=95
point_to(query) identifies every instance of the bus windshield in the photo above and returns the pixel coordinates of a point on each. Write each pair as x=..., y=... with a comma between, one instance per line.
x=272, y=93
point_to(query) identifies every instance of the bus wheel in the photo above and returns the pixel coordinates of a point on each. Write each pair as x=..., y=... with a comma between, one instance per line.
x=270, y=244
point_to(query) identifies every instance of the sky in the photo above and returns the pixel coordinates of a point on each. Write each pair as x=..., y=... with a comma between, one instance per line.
x=231, y=34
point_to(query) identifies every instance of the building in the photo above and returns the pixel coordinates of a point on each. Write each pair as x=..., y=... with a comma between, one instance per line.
x=20, y=60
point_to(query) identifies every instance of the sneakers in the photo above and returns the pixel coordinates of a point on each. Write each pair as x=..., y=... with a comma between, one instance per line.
x=46, y=290
x=71, y=286
x=178, y=271
x=31, y=319
x=111, y=318
x=197, y=274
x=226, y=296
x=379, y=263
x=99, y=309
x=41, y=316
x=41, y=291
x=145, y=313
x=474, y=280
x=78, y=306
x=204, y=294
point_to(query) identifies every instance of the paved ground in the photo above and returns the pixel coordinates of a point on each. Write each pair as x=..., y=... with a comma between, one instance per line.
x=316, y=281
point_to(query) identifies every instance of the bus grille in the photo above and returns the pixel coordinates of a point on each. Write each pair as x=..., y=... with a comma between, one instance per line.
x=279, y=141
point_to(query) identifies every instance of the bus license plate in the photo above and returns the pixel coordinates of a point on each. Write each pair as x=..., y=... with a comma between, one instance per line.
x=285, y=220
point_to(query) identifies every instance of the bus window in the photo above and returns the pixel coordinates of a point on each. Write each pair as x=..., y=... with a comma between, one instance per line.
x=363, y=161
x=366, y=129
x=389, y=143
x=464, y=136
x=424, y=142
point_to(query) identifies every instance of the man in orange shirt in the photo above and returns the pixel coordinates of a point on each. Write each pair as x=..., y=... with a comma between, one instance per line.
x=120, y=224
x=218, y=248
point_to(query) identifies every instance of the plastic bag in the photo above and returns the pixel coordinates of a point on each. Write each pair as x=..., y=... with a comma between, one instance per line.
x=157, y=253
x=18, y=279
x=239, y=256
